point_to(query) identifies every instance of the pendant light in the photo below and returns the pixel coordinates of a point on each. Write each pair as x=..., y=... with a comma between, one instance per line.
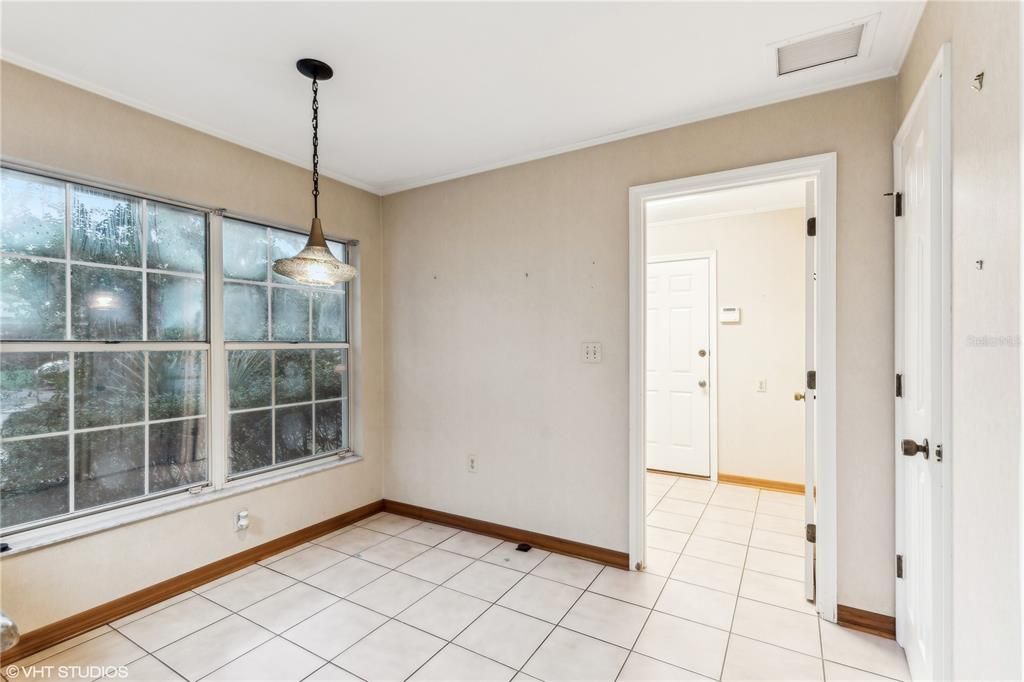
x=315, y=265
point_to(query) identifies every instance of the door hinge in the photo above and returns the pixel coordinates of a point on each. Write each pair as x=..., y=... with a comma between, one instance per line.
x=899, y=565
x=812, y=533
x=899, y=385
x=812, y=227
x=897, y=204
x=812, y=379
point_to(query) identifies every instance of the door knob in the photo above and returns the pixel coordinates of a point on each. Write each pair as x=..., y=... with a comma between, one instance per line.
x=702, y=383
x=912, y=447
x=798, y=396
x=702, y=352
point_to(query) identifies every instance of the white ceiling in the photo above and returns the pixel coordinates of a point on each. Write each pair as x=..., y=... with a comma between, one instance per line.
x=772, y=196
x=429, y=91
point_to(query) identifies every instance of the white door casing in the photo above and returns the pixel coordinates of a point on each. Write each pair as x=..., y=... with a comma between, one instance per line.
x=810, y=294
x=822, y=169
x=678, y=378
x=922, y=342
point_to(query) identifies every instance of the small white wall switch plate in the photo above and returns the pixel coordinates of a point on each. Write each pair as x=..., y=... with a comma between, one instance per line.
x=729, y=315
x=472, y=466
x=242, y=520
x=592, y=352
x=762, y=385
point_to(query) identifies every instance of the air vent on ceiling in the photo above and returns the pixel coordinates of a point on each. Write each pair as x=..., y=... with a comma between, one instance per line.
x=823, y=49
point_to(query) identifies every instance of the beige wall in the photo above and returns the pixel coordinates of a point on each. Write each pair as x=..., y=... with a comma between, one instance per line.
x=986, y=447
x=493, y=281
x=50, y=124
x=760, y=268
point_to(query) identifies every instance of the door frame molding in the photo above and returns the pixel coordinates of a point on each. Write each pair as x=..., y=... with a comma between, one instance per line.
x=821, y=168
x=941, y=68
x=712, y=258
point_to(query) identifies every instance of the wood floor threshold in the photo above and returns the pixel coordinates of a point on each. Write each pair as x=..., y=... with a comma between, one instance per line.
x=677, y=474
x=866, y=621
x=763, y=483
x=549, y=542
x=72, y=626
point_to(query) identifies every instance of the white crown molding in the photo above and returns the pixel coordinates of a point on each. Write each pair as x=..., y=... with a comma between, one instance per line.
x=664, y=124
x=383, y=189
x=909, y=39
x=89, y=86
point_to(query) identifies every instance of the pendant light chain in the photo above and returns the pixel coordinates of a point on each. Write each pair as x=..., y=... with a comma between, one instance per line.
x=316, y=153
x=315, y=265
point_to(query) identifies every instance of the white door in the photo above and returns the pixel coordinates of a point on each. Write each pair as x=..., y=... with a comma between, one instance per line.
x=919, y=334
x=678, y=432
x=810, y=298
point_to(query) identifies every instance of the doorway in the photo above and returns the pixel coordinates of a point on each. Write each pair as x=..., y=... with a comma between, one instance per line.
x=676, y=318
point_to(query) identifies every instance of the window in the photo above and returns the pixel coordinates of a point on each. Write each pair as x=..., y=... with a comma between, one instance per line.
x=287, y=354
x=105, y=344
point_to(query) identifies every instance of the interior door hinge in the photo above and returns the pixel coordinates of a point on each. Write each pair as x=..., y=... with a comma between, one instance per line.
x=897, y=204
x=812, y=533
x=899, y=385
x=899, y=565
x=812, y=227
x=812, y=379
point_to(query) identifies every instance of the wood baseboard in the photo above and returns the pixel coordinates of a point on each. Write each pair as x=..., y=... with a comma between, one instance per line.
x=764, y=483
x=55, y=633
x=549, y=542
x=866, y=621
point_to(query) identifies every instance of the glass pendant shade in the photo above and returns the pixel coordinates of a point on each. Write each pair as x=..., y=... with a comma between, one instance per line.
x=315, y=265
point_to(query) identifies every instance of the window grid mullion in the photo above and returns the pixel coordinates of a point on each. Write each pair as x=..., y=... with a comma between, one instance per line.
x=273, y=407
x=145, y=421
x=219, y=446
x=312, y=394
x=71, y=432
x=67, y=260
x=143, y=238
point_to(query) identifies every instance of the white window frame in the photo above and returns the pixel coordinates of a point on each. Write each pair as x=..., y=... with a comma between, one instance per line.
x=270, y=345
x=78, y=524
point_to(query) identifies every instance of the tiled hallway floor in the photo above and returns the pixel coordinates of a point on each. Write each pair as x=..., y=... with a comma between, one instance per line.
x=392, y=598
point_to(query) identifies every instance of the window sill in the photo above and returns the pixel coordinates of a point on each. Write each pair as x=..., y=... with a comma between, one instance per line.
x=57, y=533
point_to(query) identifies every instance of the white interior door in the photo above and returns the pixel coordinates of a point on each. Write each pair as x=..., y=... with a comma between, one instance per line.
x=919, y=333
x=810, y=469
x=678, y=432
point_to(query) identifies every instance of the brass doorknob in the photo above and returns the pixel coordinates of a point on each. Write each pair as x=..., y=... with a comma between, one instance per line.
x=911, y=447
x=798, y=396
x=702, y=383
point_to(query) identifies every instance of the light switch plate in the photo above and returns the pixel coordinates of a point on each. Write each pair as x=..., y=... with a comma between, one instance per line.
x=592, y=352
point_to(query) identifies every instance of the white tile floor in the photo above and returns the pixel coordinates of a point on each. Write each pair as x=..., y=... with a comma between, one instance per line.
x=392, y=599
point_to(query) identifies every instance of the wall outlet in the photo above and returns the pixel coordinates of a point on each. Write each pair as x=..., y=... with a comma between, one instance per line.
x=762, y=385
x=592, y=351
x=242, y=520
x=472, y=466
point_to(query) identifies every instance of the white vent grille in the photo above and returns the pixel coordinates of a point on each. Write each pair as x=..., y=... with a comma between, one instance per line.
x=824, y=49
